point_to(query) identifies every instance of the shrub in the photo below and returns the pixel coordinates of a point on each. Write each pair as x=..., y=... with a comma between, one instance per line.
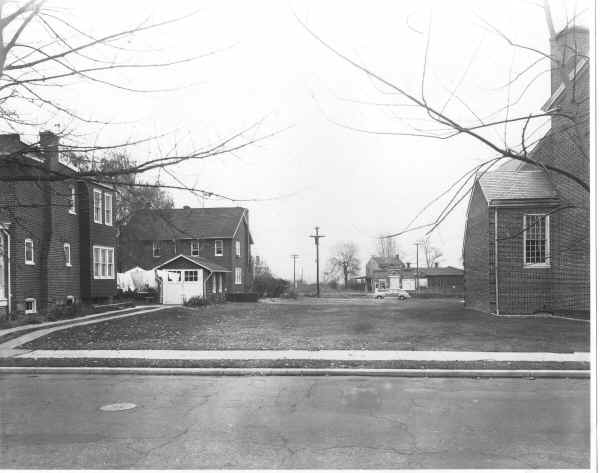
x=196, y=301
x=265, y=285
x=67, y=311
x=291, y=294
x=333, y=284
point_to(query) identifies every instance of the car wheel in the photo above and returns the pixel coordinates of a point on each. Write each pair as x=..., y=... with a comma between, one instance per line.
x=379, y=297
x=402, y=298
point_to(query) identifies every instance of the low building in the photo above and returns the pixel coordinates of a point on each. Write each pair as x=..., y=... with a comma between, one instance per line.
x=217, y=238
x=57, y=238
x=443, y=281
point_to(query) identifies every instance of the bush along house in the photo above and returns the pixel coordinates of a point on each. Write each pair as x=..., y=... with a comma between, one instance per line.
x=526, y=246
x=196, y=252
x=57, y=239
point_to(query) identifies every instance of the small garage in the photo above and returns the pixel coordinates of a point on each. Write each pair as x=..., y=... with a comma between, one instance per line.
x=184, y=277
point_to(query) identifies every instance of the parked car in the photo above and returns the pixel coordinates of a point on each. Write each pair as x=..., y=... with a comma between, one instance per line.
x=399, y=293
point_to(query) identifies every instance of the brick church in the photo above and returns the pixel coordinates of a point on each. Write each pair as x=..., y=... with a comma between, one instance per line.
x=527, y=235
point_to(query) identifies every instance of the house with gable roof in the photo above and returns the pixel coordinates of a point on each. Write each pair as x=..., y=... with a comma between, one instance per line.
x=215, y=242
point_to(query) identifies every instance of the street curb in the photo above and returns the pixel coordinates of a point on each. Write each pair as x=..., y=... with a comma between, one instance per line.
x=407, y=373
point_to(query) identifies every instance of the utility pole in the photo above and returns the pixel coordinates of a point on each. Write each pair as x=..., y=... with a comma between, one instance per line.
x=420, y=242
x=317, y=237
x=294, y=257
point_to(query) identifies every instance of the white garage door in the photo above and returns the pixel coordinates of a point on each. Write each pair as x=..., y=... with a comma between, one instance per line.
x=181, y=285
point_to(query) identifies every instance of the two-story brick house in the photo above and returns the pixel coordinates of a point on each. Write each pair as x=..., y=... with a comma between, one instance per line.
x=219, y=236
x=57, y=239
x=526, y=246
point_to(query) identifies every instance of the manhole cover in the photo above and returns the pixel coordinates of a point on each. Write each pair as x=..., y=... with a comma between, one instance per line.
x=120, y=406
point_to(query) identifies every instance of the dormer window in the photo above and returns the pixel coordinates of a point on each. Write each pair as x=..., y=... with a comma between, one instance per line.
x=218, y=247
x=195, y=248
x=156, y=249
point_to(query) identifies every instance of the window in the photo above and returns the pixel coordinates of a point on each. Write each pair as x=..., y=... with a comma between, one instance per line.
x=30, y=306
x=238, y=248
x=536, y=240
x=190, y=276
x=97, y=206
x=174, y=276
x=67, y=249
x=238, y=275
x=380, y=284
x=156, y=249
x=29, y=251
x=195, y=250
x=104, y=262
x=218, y=247
x=70, y=300
x=73, y=201
x=108, y=214
x=214, y=283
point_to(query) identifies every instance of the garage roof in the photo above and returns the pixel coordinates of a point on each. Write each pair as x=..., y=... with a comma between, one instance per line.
x=200, y=262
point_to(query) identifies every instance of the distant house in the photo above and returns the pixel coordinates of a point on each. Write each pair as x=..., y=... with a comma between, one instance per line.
x=383, y=273
x=57, y=238
x=392, y=273
x=216, y=241
x=526, y=246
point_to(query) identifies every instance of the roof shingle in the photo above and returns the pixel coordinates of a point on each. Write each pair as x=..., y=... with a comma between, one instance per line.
x=521, y=184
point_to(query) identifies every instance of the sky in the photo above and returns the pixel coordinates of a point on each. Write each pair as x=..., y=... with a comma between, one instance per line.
x=312, y=164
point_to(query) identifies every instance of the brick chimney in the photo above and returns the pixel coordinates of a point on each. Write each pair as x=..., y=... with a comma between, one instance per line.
x=10, y=142
x=567, y=48
x=49, y=143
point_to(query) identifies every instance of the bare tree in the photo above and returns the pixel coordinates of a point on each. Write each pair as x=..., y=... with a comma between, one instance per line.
x=42, y=50
x=432, y=253
x=487, y=129
x=387, y=247
x=344, y=262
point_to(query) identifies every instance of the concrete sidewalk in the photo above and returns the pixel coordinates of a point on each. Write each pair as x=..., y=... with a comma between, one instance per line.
x=270, y=355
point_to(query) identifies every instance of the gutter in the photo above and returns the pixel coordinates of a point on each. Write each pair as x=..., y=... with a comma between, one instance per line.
x=9, y=285
x=496, y=259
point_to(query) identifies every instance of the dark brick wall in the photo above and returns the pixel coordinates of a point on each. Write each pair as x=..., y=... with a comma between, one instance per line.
x=476, y=256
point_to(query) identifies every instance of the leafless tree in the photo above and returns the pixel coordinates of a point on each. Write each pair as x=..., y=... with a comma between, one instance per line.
x=42, y=50
x=432, y=253
x=387, y=247
x=486, y=129
x=344, y=262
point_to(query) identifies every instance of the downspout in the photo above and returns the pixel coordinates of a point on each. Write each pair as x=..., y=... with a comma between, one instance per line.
x=9, y=285
x=496, y=258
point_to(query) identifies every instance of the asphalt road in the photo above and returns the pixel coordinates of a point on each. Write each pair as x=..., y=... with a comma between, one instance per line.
x=56, y=421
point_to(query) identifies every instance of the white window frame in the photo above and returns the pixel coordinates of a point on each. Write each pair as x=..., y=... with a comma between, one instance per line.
x=97, y=199
x=108, y=209
x=67, y=250
x=32, y=260
x=73, y=201
x=221, y=252
x=33, y=309
x=189, y=271
x=197, y=243
x=103, y=263
x=238, y=275
x=156, y=246
x=238, y=248
x=546, y=263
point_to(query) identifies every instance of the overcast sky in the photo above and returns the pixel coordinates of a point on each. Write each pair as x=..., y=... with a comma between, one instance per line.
x=317, y=171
